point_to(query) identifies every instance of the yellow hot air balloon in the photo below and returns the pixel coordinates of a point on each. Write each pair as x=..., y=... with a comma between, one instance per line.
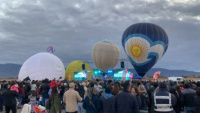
x=105, y=55
x=76, y=66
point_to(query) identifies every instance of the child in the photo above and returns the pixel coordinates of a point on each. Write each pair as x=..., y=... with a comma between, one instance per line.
x=15, y=88
x=32, y=98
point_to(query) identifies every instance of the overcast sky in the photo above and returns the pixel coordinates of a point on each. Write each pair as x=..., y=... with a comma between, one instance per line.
x=30, y=26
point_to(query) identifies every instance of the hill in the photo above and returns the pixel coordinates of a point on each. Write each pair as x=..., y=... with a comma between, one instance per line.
x=12, y=70
x=9, y=70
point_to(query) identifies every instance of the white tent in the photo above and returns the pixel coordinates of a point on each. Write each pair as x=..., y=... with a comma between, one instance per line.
x=42, y=65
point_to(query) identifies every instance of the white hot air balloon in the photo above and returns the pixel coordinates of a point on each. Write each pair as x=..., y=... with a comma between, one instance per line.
x=42, y=65
x=105, y=55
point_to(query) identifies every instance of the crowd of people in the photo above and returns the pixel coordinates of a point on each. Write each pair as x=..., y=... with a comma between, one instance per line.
x=101, y=96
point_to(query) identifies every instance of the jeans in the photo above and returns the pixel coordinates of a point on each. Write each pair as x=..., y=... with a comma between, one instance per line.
x=12, y=107
x=190, y=109
x=80, y=108
x=20, y=102
x=44, y=97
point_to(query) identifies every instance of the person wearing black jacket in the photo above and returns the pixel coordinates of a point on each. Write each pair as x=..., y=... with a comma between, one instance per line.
x=9, y=99
x=177, y=106
x=188, y=98
x=150, y=92
x=81, y=92
x=125, y=102
x=44, y=89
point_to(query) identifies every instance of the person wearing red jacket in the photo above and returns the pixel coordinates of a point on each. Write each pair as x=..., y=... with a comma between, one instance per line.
x=53, y=83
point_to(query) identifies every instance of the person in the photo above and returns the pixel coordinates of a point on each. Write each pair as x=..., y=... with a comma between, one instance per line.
x=21, y=95
x=33, y=86
x=32, y=102
x=115, y=90
x=163, y=100
x=198, y=84
x=1, y=97
x=134, y=91
x=55, y=101
x=92, y=103
x=70, y=98
x=180, y=94
x=193, y=85
x=60, y=80
x=77, y=85
x=145, y=85
x=107, y=101
x=177, y=106
x=188, y=98
x=150, y=92
x=125, y=102
x=9, y=99
x=81, y=92
x=61, y=88
x=85, y=89
x=97, y=90
x=171, y=85
x=109, y=83
x=51, y=85
x=97, y=86
x=23, y=91
x=14, y=87
x=144, y=97
x=44, y=91
x=197, y=100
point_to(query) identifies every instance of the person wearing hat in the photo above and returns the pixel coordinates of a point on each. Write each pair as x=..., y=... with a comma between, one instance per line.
x=163, y=100
x=70, y=98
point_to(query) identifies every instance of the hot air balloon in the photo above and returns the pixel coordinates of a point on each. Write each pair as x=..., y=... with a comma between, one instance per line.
x=42, y=65
x=144, y=44
x=76, y=66
x=105, y=55
x=51, y=49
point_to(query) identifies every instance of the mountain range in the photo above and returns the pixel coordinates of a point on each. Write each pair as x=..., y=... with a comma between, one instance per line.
x=12, y=70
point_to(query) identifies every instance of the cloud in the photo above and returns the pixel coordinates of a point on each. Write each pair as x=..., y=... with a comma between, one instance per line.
x=28, y=27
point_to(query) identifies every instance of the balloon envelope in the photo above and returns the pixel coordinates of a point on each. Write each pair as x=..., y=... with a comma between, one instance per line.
x=76, y=66
x=42, y=65
x=105, y=55
x=51, y=49
x=145, y=44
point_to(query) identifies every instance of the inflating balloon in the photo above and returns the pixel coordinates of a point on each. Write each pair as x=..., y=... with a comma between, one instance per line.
x=144, y=44
x=51, y=49
x=76, y=66
x=40, y=66
x=105, y=55
x=156, y=75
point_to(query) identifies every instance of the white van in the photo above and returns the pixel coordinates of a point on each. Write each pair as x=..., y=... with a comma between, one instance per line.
x=177, y=79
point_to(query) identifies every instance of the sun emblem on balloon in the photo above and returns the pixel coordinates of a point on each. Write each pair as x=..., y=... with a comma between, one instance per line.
x=137, y=48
